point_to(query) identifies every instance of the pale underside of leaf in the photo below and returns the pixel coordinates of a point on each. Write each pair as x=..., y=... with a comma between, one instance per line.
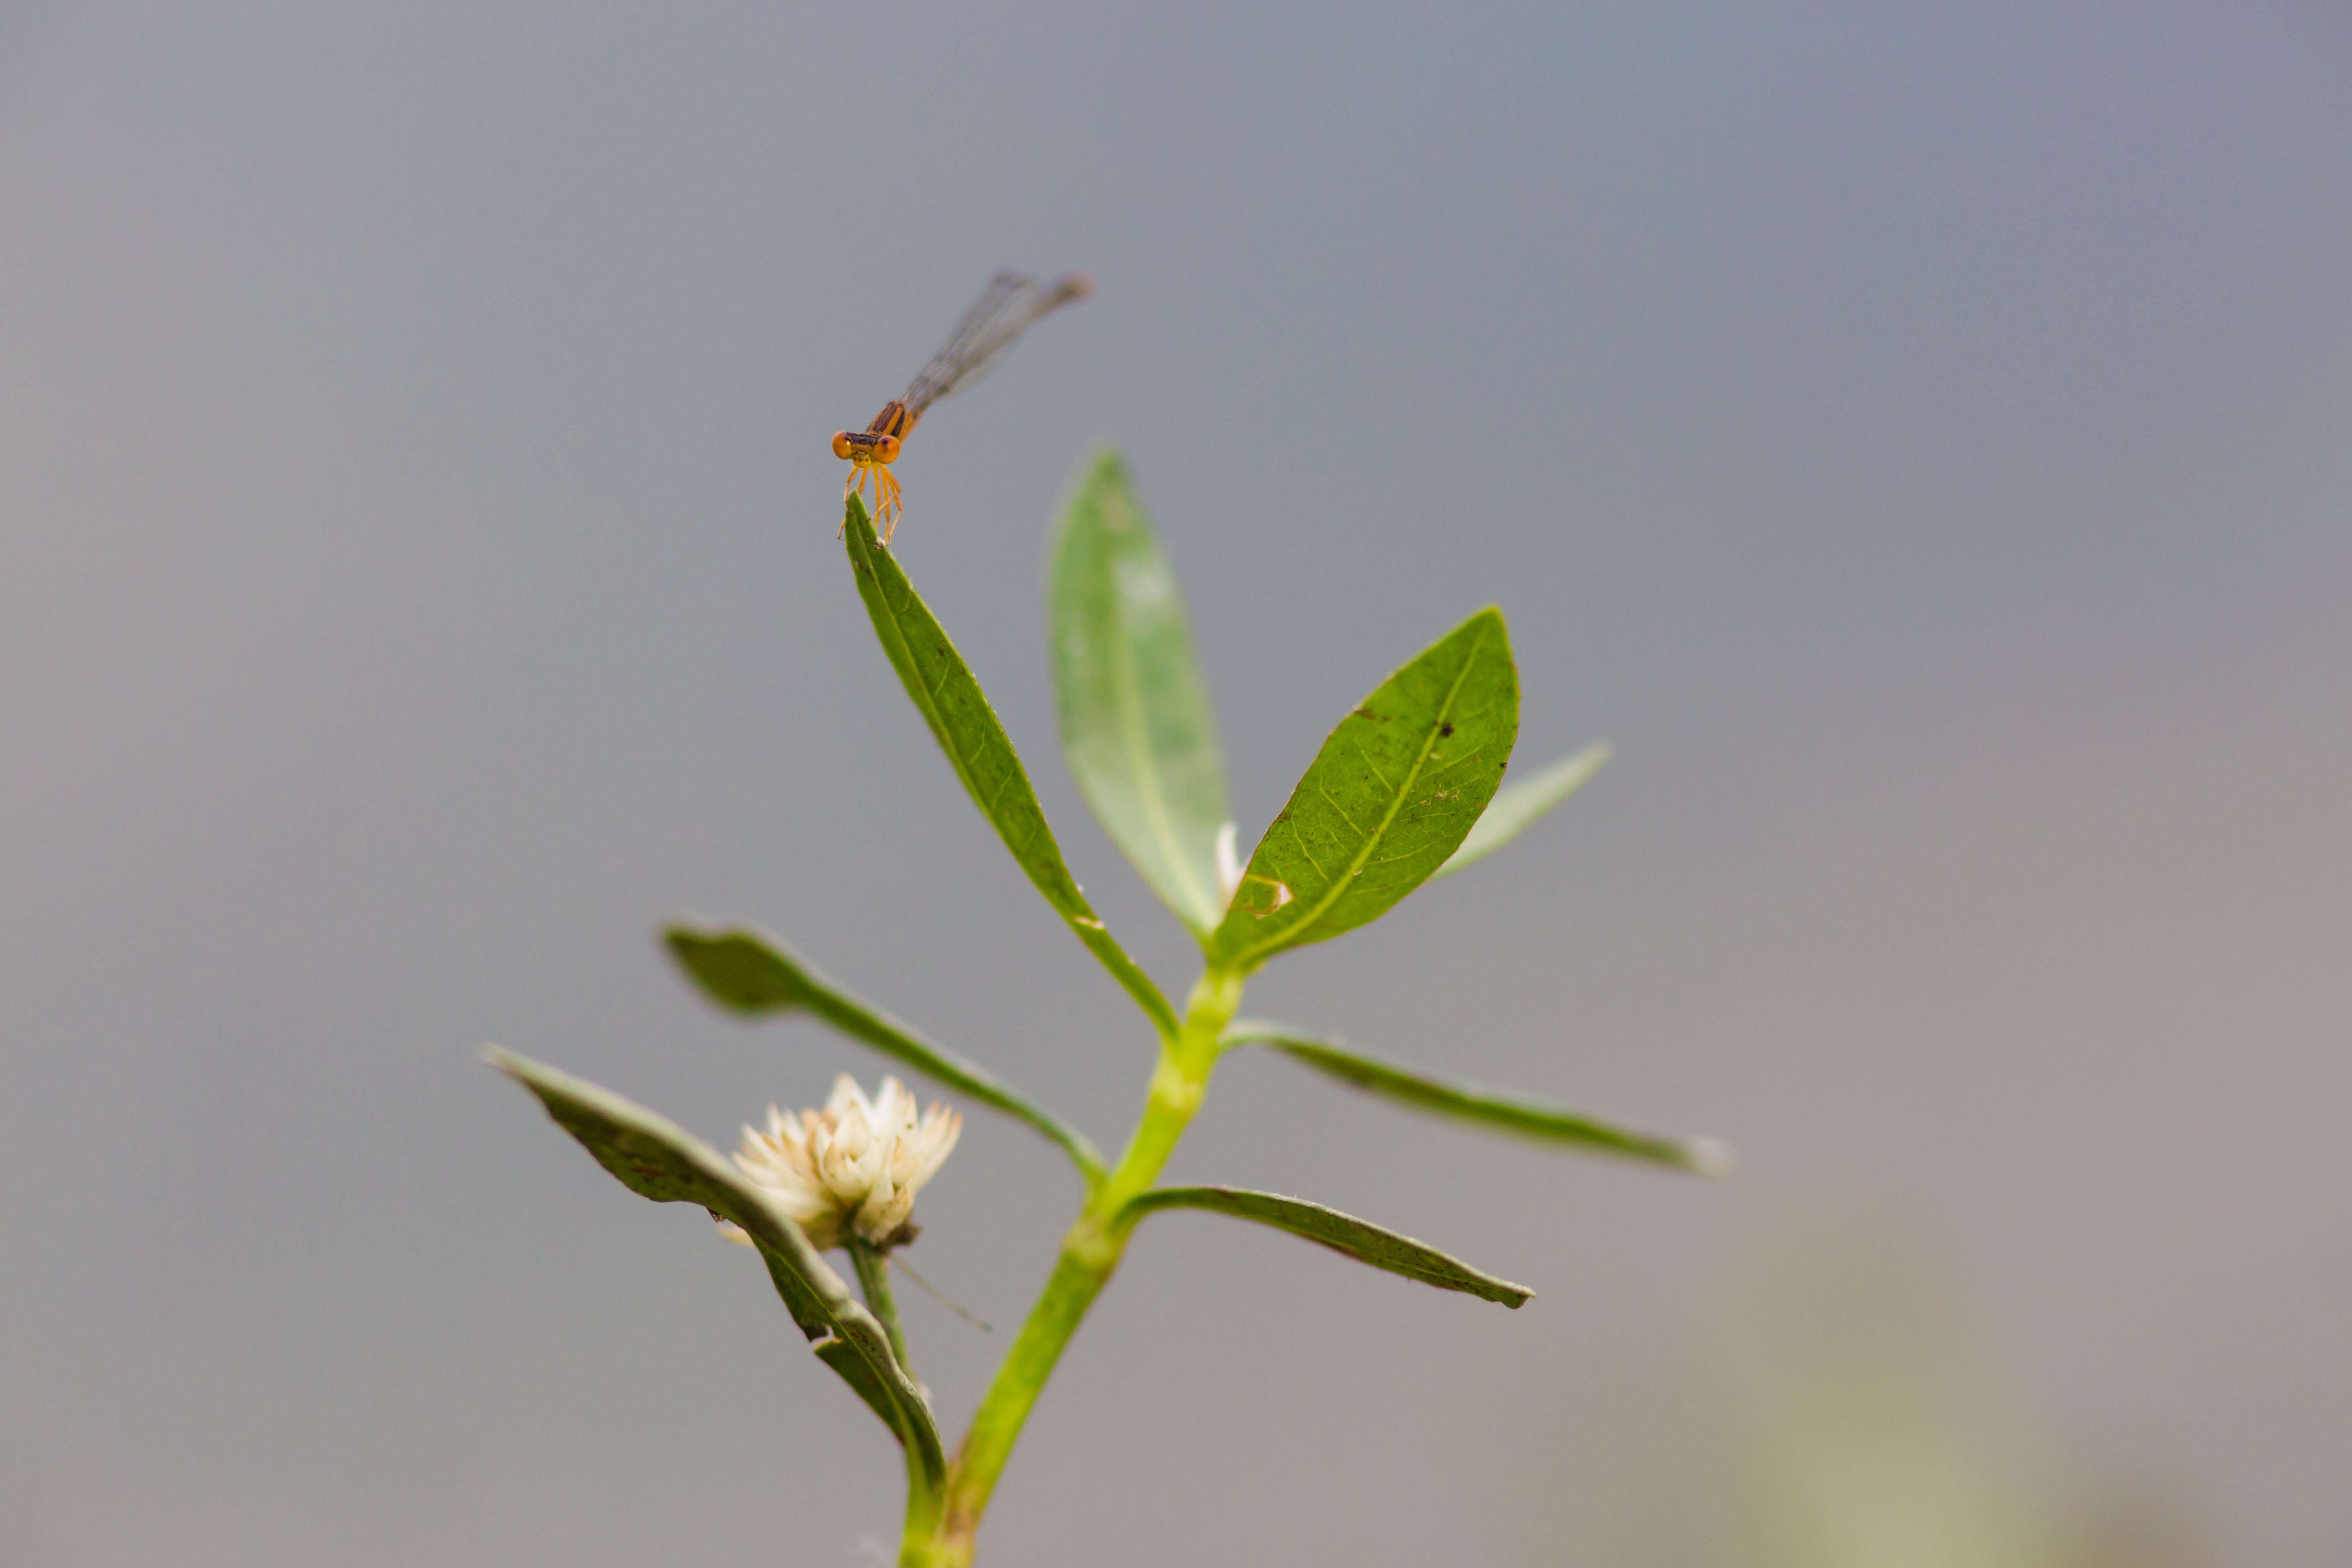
x=656, y=1159
x=1343, y=1233
x=951, y=702
x=1393, y=793
x=1136, y=724
x=1491, y=1109
x=753, y=973
x=1517, y=805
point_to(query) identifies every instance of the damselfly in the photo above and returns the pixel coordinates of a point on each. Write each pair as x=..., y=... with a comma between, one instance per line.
x=1007, y=308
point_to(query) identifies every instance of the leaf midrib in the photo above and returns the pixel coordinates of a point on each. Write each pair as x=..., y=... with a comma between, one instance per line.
x=963, y=764
x=1136, y=733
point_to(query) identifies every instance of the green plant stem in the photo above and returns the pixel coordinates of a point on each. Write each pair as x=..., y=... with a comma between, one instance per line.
x=1089, y=1256
x=924, y=1505
x=874, y=1278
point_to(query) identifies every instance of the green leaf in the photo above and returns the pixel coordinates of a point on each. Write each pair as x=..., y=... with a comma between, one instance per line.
x=656, y=1159
x=1494, y=1110
x=1135, y=724
x=1364, y=1242
x=751, y=972
x=1393, y=791
x=967, y=730
x=1516, y=805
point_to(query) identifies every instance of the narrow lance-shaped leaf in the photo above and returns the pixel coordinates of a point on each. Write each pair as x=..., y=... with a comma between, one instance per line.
x=753, y=972
x=967, y=728
x=1517, y=803
x=1358, y=1239
x=1494, y=1110
x=1135, y=719
x=1395, y=791
x=656, y=1159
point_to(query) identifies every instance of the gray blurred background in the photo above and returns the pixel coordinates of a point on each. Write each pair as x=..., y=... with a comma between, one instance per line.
x=1920, y=437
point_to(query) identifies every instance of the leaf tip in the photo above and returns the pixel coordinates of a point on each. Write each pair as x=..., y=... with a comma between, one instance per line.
x=856, y=529
x=1709, y=1157
x=531, y=1075
x=738, y=969
x=1106, y=464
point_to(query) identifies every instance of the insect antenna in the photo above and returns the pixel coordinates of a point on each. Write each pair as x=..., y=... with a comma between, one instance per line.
x=934, y=1292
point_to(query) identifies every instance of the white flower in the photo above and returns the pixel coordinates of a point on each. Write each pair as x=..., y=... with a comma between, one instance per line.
x=856, y=1164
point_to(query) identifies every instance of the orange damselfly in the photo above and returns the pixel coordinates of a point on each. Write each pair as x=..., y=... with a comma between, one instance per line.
x=1008, y=307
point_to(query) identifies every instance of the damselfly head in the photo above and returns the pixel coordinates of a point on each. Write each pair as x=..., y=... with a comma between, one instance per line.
x=864, y=447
